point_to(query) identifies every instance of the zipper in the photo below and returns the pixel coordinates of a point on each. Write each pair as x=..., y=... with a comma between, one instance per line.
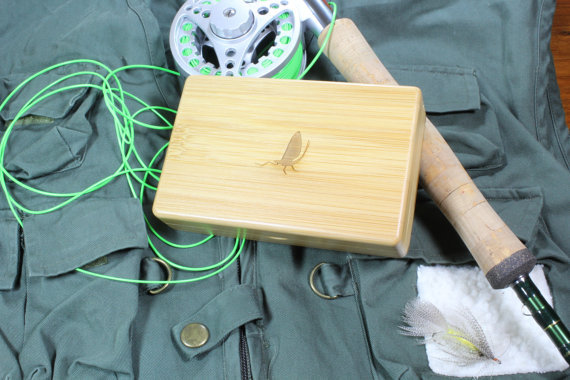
x=21, y=249
x=22, y=242
x=245, y=365
x=244, y=360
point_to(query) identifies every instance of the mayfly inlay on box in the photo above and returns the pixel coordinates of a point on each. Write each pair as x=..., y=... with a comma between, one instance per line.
x=291, y=155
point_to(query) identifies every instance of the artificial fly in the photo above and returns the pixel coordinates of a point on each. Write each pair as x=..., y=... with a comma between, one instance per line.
x=464, y=339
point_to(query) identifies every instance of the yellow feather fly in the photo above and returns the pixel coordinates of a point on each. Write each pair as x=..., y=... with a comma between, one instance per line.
x=464, y=339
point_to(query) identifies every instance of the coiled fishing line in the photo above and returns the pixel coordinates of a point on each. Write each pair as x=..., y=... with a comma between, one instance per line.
x=125, y=121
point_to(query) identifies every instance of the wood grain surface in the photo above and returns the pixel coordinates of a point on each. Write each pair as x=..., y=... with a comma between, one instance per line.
x=354, y=189
x=485, y=234
x=560, y=46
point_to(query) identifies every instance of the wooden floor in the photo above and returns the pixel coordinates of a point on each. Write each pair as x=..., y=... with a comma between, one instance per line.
x=560, y=45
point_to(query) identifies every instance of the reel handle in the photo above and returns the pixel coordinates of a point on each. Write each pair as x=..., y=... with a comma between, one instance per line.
x=498, y=252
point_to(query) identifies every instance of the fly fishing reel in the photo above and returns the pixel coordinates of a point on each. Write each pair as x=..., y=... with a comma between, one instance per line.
x=254, y=38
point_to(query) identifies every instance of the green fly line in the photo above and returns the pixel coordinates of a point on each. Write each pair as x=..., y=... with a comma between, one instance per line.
x=126, y=123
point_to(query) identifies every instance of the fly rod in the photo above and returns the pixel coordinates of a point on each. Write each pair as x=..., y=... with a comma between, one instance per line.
x=502, y=257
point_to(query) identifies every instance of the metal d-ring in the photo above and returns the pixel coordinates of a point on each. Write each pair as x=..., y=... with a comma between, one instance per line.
x=312, y=283
x=168, y=277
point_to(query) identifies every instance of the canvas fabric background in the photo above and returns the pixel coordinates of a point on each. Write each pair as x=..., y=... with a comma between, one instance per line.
x=488, y=82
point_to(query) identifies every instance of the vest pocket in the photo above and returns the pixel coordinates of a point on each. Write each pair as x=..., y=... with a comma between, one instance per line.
x=77, y=326
x=460, y=111
x=385, y=285
x=51, y=136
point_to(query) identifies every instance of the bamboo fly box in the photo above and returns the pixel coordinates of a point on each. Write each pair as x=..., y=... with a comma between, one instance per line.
x=317, y=164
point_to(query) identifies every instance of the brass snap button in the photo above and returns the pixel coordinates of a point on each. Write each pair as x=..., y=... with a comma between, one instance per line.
x=194, y=335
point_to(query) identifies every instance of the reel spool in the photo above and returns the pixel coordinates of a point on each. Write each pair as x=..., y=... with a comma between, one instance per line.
x=253, y=38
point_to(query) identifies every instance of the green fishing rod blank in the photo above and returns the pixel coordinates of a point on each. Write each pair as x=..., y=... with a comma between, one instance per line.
x=543, y=314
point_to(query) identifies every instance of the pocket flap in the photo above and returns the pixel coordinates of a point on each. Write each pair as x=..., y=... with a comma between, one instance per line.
x=227, y=311
x=82, y=232
x=54, y=107
x=444, y=89
x=56, y=129
x=60, y=149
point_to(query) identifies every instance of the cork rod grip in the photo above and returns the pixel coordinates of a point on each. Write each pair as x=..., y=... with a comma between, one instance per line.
x=498, y=252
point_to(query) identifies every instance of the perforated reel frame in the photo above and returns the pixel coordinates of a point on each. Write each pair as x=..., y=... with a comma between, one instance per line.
x=236, y=37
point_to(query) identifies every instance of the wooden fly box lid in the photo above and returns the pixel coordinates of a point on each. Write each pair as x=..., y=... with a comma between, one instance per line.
x=317, y=164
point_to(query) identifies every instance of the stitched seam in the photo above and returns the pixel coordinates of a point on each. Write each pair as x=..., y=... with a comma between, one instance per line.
x=461, y=73
x=514, y=199
x=359, y=308
x=546, y=229
x=498, y=198
x=487, y=167
x=555, y=130
x=225, y=367
x=149, y=50
x=537, y=71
